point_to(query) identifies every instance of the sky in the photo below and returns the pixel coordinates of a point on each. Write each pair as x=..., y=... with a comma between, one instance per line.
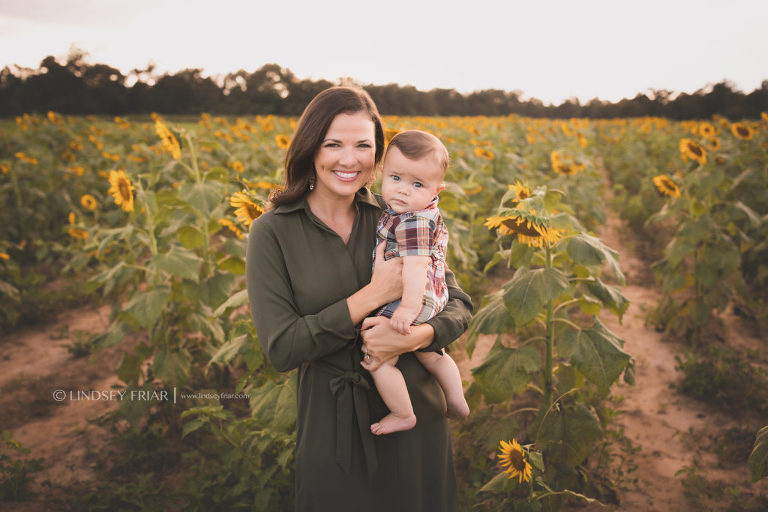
x=547, y=49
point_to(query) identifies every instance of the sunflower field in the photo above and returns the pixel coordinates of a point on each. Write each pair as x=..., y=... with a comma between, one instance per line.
x=151, y=215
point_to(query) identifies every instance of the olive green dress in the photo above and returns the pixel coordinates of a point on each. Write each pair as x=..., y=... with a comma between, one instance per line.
x=299, y=275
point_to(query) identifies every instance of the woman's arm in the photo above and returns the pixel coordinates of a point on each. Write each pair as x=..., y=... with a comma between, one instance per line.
x=288, y=338
x=383, y=342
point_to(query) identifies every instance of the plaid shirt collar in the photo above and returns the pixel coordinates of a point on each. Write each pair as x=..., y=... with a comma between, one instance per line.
x=431, y=206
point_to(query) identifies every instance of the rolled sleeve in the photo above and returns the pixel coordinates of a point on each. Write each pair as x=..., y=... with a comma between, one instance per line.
x=453, y=320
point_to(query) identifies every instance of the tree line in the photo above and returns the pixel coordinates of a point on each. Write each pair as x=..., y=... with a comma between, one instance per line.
x=78, y=87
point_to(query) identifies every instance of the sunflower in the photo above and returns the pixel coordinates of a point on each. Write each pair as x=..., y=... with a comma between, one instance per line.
x=692, y=150
x=742, y=131
x=666, y=186
x=282, y=141
x=4, y=169
x=78, y=170
x=261, y=184
x=713, y=144
x=248, y=207
x=80, y=234
x=71, y=218
x=4, y=256
x=88, y=201
x=484, y=153
x=706, y=129
x=237, y=165
x=121, y=190
x=169, y=141
x=554, y=157
x=512, y=459
x=473, y=191
x=231, y=226
x=388, y=134
x=567, y=170
x=521, y=191
x=25, y=158
x=530, y=229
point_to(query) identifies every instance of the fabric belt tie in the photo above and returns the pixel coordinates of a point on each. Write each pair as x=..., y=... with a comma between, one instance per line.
x=349, y=387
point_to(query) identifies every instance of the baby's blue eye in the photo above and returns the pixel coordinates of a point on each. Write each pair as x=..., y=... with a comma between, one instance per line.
x=418, y=185
x=396, y=178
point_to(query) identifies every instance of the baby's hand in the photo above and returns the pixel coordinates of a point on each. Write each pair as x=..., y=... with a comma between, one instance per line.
x=402, y=319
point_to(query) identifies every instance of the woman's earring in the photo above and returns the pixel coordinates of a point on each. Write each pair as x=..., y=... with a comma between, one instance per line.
x=312, y=183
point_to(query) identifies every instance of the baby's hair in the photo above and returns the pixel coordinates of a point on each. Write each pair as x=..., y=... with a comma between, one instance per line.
x=416, y=144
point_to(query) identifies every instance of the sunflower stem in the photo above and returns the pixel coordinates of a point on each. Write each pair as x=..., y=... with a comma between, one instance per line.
x=550, y=338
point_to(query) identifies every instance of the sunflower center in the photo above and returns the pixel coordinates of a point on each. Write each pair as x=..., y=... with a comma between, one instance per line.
x=516, y=460
x=695, y=149
x=124, y=189
x=521, y=226
x=742, y=131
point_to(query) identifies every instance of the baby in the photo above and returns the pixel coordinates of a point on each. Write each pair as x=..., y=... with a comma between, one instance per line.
x=412, y=227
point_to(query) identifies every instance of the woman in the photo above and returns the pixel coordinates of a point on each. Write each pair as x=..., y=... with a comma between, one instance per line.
x=310, y=284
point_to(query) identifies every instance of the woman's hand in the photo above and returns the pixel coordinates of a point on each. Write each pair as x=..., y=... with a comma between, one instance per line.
x=382, y=342
x=387, y=278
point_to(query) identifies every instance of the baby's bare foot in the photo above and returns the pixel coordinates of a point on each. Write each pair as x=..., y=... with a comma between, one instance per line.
x=391, y=423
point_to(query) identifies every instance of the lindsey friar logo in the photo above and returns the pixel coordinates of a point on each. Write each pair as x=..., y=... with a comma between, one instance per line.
x=94, y=395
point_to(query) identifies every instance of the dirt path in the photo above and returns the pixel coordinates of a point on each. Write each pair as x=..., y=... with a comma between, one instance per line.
x=35, y=368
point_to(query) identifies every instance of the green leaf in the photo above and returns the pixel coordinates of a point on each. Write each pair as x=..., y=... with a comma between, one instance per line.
x=498, y=256
x=520, y=255
x=536, y=460
x=172, y=367
x=589, y=306
x=232, y=265
x=229, y=350
x=493, y=318
x=610, y=296
x=190, y=237
x=506, y=372
x=274, y=405
x=595, y=352
x=9, y=291
x=193, y=425
x=236, y=300
x=179, y=262
x=113, y=336
x=212, y=291
x=129, y=368
x=588, y=250
x=530, y=289
x=203, y=197
x=145, y=308
x=758, y=459
x=567, y=435
x=496, y=484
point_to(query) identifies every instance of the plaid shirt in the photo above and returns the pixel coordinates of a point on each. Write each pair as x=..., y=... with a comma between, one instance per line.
x=418, y=233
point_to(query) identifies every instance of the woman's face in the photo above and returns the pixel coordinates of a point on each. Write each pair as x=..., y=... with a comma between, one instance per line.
x=345, y=161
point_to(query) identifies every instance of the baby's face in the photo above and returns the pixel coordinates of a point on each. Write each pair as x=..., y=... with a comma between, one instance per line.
x=407, y=184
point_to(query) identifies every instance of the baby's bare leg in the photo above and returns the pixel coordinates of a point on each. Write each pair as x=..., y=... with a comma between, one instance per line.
x=444, y=369
x=391, y=386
